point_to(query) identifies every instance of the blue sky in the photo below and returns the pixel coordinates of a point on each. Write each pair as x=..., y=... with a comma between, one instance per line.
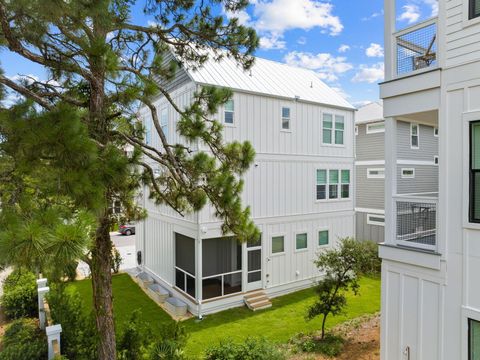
x=342, y=40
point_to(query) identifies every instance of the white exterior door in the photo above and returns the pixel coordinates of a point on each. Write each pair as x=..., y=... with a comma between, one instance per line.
x=254, y=266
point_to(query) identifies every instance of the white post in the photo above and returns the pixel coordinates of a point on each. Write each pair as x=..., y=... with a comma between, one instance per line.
x=390, y=179
x=42, y=290
x=390, y=29
x=53, y=338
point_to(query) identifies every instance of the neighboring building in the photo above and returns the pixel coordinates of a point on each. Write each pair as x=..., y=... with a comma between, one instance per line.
x=431, y=253
x=300, y=188
x=417, y=170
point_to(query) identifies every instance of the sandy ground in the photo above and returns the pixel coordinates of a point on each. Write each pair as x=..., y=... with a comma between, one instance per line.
x=363, y=341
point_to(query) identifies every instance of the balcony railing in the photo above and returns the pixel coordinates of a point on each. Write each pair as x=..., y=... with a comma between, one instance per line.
x=416, y=221
x=416, y=47
x=221, y=284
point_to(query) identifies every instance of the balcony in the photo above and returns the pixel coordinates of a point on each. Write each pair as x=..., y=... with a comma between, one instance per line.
x=416, y=48
x=416, y=221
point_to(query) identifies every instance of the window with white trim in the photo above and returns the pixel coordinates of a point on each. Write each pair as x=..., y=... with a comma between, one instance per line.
x=301, y=241
x=376, y=219
x=435, y=159
x=408, y=173
x=323, y=237
x=229, y=110
x=333, y=130
x=285, y=118
x=376, y=173
x=375, y=128
x=435, y=131
x=414, y=136
x=337, y=182
x=164, y=121
x=278, y=244
x=474, y=9
x=148, y=131
x=474, y=175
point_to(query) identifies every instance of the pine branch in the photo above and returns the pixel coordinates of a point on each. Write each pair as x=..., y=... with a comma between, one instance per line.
x=26, y=92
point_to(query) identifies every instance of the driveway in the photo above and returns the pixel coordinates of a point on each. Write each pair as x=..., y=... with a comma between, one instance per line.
x=125, y=245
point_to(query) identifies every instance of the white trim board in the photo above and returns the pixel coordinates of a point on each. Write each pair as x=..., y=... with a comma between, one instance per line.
x=399, y=162
x=372, y=211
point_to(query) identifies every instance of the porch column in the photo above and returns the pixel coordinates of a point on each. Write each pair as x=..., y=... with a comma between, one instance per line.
x=390, y=28
x=42, y=289
x=198, y=273
x=53, y=338
x=390, y=179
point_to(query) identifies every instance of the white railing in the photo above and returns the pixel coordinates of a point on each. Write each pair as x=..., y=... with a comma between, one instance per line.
x=416, y=47
x=416, y=219
x=186, y=275
x=222, y=277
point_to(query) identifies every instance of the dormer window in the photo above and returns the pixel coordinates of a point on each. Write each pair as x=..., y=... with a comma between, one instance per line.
x=228, y=112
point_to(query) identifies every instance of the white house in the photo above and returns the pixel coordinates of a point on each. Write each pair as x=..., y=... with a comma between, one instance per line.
x=431, y=254
x=300, y=188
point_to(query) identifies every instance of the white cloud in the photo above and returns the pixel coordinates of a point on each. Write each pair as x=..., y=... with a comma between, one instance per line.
x=375, y=50
x=281, y=15
x=338, y=88
x=272, y=41
x=373, y=16
x=433, y=5
x=343, y=48
x=411, y=13
x=328, y=67
x=370, y=74
x=242, y=16
x=360, y=103
x=302, y=40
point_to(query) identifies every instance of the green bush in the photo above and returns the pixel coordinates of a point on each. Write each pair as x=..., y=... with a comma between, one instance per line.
x=134, y=338
x=331, y=345
x=372, y=264
x=20, y=298
x=23, y=340
x=116, y=260
x=251, y=349
x=169, y=345
x=78, y=329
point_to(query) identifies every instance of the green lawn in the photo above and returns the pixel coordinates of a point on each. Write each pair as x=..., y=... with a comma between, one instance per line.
x=279, y=323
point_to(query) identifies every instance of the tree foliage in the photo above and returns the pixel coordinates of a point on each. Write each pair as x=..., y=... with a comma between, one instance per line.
x=340, y=268
x=62, y=155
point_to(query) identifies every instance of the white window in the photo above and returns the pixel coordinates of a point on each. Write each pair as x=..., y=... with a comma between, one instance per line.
x=321, y=189
x=333, y=182
x=323, y=237
x=148, y=131
x=285, y=118
x=333, y=130
x=414, y=136
x=408, y=173
x=375, y=128
x=376, y=173
x=301, y=241
x=164, y=121
x=435, y=131
x=345, y=180
x=278, y=244
x=356, y=130
x=375, y=219
x=229, y=109
x=435, y=159
x=336, y=181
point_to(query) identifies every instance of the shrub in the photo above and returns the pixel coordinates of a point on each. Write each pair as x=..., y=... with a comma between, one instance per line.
x=20, y=298
x=133, y=339
x=170, y=344
x=331, y=345
x=116, y=260
x=251, y=349
x=23, y=340
x=372, y=264
x=78, y=329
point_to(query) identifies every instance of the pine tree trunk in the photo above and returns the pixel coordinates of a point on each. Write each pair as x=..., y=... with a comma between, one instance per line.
x=102, y=291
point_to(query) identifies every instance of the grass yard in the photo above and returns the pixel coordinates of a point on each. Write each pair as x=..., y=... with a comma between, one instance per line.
x=279, y=323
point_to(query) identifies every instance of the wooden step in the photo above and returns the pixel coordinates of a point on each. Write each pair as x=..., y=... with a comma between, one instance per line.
x=257, y=300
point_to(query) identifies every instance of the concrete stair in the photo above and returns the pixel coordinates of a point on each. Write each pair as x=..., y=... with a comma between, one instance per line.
x=257, y=300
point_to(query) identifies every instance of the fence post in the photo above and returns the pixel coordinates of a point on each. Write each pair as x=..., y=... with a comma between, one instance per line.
x=42, y=290
x=53, y=338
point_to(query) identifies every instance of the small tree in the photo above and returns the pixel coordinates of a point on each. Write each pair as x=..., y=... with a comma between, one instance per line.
x=342, y=267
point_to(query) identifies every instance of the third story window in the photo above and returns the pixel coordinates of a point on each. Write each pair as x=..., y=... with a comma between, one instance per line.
x=301, y=241
x=285, y=118
x=376, y=173
x=374, y=128
x=333, y=128
x=345, y=184
x=414, y=136
x=474, y=9
x=229, y=111
x=408, y=173
x=323, y=237
x=475, y=171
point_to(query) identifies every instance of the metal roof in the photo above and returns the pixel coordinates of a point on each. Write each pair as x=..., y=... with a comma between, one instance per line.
x=369, y=113
x=270, y=78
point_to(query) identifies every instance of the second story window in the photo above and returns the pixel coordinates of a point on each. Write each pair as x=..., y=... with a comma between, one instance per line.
x=285, y=118
x=228, y=112
x=414, y=136
x=333, y=130
x=475, y=172
x=321, y=184
x=474, y=9
x=333, y=184
x=376, y=128
x=345, y=184
x=164, y=121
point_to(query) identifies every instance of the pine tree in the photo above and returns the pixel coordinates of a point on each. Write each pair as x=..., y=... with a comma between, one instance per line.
x=101, y=67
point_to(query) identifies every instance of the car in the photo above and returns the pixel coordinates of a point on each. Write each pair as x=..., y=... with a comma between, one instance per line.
x=127, y=230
